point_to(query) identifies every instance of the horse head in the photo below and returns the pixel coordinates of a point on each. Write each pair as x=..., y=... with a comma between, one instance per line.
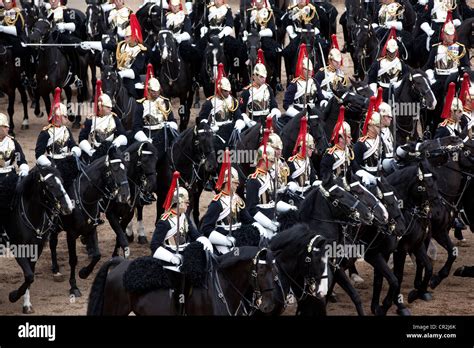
x=203, y=142
x=213, y=55
x=111, y=81
x=253, y=44
x=168, y=46
x=351, y=101
x=95, y=21
x=362, y=87
x=420, y=86
x=40, y=31
x=144, y=165
x=385, y=192
x=55, y=196
x=116, y=175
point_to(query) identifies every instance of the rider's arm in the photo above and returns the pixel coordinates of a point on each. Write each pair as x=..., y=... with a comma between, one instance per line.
x=158, y=238
x=289, y=96
x=84, y=133
x=41, y=144
x=209, y=220
x=138, y=119
x=205, y=111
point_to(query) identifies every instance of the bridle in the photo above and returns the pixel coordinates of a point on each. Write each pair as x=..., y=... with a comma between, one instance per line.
x=170, y=63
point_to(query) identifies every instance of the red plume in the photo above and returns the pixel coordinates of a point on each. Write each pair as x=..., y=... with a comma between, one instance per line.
x=446, y=113
x=391, y=35
x=449, y=18
x=226, y=165
x=303, y=53
x=260, y=57
x=220, y=75
x=136, y=30
x=266, y=135
x=269, y=123
x=149, y=75
x=302, y=136
x=370, y=111
x=379, y=98
x=464, y=93
x=169, y=196
x=56, y=102
x=98, y=93
x=339, y=125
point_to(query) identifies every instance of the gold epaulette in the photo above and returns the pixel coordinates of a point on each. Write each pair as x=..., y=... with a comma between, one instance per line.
x=141, y=100
x=332, y=149
x=45, y=128
x=210, y=97
x=446, y=123
x=11, y=137
x=247, y=87
x=217, y=197
x=295, y=79
x=142, y=48
x=166, y=216
x=235, y=106
x=363, y=139
x=292, y=158
x=114, y=114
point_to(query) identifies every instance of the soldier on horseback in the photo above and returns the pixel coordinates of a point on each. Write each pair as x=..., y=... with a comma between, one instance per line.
x=257, y=100
x=153, y=116
x=227, y=211
x=64, y=21
x=55, y=143
x=446, y=57
x=389, y=68
x=222, y=108
x=367, y=149
x=282, y=168
x=119, y=19
x=452, y=113
x=302, y=172
x=330, y=76
x=303, y=90
x=337, y=159
x=12, y=32
x=103, y=129
x=388, y=142
x=175, y=230
x=435, y=16
x=11, y=153
x=467, y=98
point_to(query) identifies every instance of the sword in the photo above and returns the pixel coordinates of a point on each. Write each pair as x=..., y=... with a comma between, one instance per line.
x=49, y=45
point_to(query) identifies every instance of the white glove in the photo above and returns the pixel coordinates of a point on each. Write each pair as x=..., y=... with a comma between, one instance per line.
x=323, y=103
x=141, y=137
x=60, y=27
x=24, y=170
x=1, y=28
x=275, y=112
x=265, y=221
x=426, y=28
x=47, y=6
x=456, y=22
x=189, y=7
x=397, y=24
x=43, y=161
x=246, y=33
x=373, y=87
x=107, y=7
x=367, y=178
x=177, y=259
x=204, y=31
x=291, y=32
x=430, y=74
x=283, y=207
x=173, y=125
x=205, y=243
x=316, y=31
x=177, y=37
x=226, y=32
x=86, y=147
x=215, y=128
x=9, y=29
x=66, y=26
x=293, y=186
x=375, y=25
x=239, y=125
x=423, y=2
x=127, y=73
x=91, y=45
x=121, y=140
x=267, y=32
x=76, y=151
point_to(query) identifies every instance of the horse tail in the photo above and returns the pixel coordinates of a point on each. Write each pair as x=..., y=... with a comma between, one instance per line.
x=96, y=295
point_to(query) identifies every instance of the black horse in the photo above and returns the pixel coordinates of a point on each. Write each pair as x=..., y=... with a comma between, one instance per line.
x=125, y=104
x=365, y=47
x=213, y=55
x=245, y=276
x=40, y=199
x=97, y=185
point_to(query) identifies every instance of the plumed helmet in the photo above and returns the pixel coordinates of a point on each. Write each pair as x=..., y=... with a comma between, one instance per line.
x=4, y=120
x=104, y=100
x=274, y=141
x=385, y=109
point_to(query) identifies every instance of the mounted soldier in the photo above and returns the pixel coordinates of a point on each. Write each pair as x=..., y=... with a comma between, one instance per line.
x=119, y=19
x=227, y=211
x=56, y=145
x=281, y=168
x=337, y=159
x=153, y=116
x=389, y=69
x=63, y=19
x=466, y=95
x=386, y=135
x=435, y=16
x=452, y=113
x=302, y=173
x=257, y=101
x=174, y=231
x=103, y=129
x=11, y=153
x=222, y=108
x=304, y=89
x=330, y=76
x=367, y=149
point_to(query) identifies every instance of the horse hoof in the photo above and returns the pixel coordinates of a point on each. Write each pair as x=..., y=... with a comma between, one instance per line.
x=28, y=310
x=130, y=238
x=279, y=87
x=58, y=277
x=435, y=281
x=404, y=312
x=84, y=273
x=333, y=298
x=23, y=127
x=427, y=296
x=75, y=292
x=13, y=296
x=40, y=115
x=413, y=295
x=142, y=240
x=459, y=271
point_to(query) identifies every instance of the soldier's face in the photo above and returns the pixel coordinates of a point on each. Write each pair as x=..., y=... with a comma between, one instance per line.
x=234, y=185
x=259, y=80
x=335, y=64
x=183, y=206
x=8, y=5
x=154, y=94
x=119, y=3
x=386, y=120
x=219, y=3
x=260, y=4
x=225, y=93
x=105, y=111
x=277, y=152
x=3, y=132
x=448, y=38
x=54, y=3
x=174, y=8
x=301, y=3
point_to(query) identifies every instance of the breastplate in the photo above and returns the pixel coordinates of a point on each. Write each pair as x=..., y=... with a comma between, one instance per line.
x=7, y=150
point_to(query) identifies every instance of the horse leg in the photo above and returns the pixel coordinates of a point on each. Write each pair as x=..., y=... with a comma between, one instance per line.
x=29, y=275
x=120, y=234
x=443, y=239
x=141, y=228
x=37, y=103
x=376, y=286
x=53, y=243
x=421, y=287
x=398, y=268
x=11, y=110
x=71, y=246
x=344, y=282
x=24, y=101
x=129, y=227
x=95, y=253
x=47, y=103
x=183, y=121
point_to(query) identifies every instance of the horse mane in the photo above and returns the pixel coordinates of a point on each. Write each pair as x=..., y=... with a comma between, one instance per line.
x=306, y=207
x=245, y=253
x=25, y=184
x=400, y=177
x=292, y=241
